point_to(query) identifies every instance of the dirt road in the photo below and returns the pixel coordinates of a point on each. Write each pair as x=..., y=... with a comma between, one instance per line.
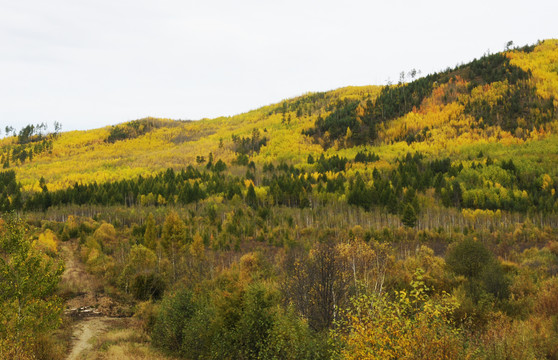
x=85, y=288
x=85, y=330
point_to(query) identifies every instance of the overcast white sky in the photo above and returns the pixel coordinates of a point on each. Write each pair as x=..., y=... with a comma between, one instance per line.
x=88, y=64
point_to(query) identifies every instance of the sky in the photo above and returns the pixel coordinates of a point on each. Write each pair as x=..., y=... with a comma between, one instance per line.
x=88, y=64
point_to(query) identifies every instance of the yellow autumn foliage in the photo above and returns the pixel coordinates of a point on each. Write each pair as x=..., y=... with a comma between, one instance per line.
x=412, y=325
x=47, y=241
x=542, y=62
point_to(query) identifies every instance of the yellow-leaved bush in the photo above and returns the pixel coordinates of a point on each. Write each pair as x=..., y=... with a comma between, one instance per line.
x=409, y=325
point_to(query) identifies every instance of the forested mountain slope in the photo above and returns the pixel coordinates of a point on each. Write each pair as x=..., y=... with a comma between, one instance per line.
x=498, y=108
x=417, y=220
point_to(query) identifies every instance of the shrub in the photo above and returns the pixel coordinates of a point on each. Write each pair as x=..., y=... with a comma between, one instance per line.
x=174, y=313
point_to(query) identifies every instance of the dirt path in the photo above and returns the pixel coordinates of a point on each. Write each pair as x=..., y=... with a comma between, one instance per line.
x=86, y=293
x=84, y=331
x=75, y=277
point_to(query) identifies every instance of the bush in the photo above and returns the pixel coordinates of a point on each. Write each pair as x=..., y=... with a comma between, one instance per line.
x=148, y=286
x=410, y=326
x=245, y=322
x=146, y=314
x=485, y=278
x=173, y=315
x=468, y=258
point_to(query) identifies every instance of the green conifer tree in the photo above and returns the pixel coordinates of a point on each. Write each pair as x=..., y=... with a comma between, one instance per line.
x=409, y=217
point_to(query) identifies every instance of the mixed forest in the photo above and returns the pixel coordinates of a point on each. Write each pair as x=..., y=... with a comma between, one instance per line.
x=416, y=220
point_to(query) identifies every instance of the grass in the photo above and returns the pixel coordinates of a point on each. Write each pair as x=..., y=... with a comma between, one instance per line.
x=125, y=341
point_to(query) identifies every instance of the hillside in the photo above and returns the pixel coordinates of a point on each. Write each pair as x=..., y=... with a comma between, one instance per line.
x=270, y=231
x=501, y=106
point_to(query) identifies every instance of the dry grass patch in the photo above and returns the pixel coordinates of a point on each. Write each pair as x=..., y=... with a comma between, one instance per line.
x=125, y=341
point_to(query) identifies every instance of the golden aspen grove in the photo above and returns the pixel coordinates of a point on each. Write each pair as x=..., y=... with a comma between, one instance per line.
x=417, y=220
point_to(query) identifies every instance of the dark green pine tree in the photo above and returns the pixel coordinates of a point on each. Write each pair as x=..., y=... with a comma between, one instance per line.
x=251, y=198
x=409, y=217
